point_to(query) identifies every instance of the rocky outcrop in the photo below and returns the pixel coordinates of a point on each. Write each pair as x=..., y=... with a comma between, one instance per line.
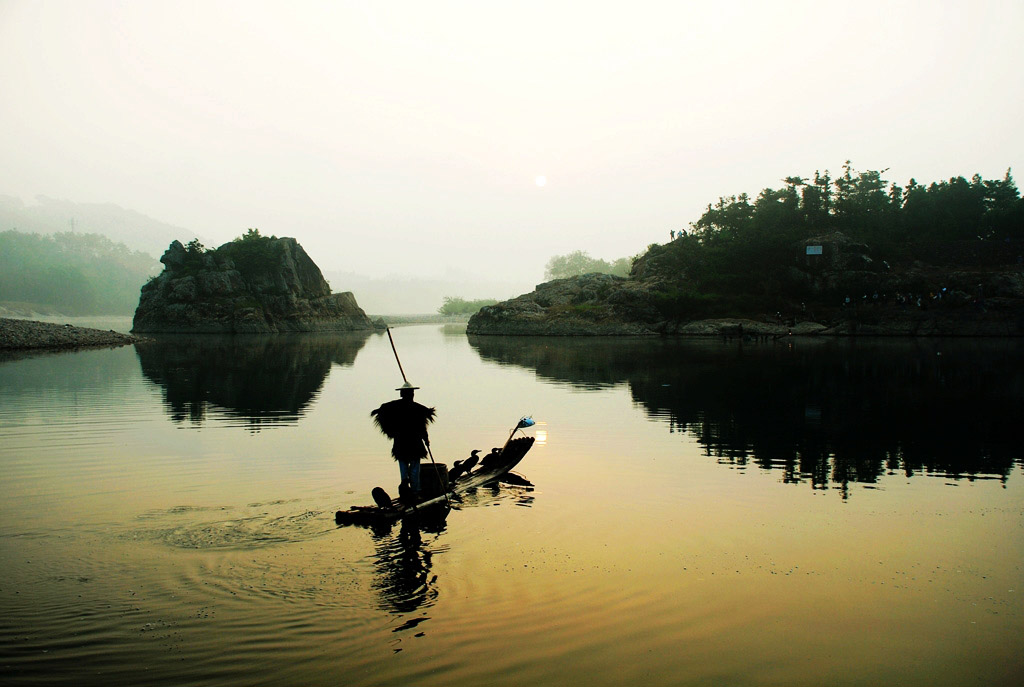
x=843, y=291
x=259, y=285
x=592, y=304
x=605, y=305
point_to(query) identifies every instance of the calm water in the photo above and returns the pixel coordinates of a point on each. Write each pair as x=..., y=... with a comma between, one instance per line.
x=799, y=513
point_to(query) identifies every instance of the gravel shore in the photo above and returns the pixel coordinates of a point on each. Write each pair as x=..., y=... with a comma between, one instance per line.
x=28, y=334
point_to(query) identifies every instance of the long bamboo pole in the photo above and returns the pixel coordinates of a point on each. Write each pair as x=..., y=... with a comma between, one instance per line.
x=395, y=351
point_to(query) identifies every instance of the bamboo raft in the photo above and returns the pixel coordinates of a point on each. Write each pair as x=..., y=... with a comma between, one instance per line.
x=491, y=469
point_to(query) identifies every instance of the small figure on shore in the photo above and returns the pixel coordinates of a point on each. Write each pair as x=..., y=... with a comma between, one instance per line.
x=672, y=234
x=405, y=422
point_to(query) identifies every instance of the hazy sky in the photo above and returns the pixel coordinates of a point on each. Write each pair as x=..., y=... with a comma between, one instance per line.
x=408, y=137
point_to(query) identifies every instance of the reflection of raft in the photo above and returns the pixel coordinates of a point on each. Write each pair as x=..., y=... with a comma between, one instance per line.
x=492, y=469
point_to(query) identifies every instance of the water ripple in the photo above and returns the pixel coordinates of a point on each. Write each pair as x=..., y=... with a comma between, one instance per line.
x=241, y=532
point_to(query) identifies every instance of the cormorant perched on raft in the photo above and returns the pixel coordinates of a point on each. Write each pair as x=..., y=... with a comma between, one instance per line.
x=462, y=467
x=491, y=458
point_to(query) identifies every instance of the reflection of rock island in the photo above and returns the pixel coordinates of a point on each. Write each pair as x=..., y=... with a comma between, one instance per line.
x=821, y=410
x=262, y=379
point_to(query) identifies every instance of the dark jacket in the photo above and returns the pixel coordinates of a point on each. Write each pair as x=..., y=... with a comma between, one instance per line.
x=405, y=422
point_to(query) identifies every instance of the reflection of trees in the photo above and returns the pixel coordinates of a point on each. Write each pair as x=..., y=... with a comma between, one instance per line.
x=819, y=410
x=263, y=379
x=583, y=361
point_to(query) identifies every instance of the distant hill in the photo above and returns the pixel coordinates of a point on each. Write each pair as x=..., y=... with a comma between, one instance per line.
x=72, y=274
x=50, y=216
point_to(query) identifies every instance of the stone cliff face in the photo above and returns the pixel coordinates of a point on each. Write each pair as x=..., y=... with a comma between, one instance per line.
x=592, y=304
x=843, y=291
x=229, y=290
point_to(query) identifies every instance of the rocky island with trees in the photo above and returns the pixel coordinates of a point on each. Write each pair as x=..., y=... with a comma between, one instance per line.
x=848, y=255
x=254, y=284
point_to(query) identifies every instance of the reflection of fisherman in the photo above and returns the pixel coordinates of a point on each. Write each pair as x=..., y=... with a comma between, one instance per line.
x=403, y=567
x=405, y=422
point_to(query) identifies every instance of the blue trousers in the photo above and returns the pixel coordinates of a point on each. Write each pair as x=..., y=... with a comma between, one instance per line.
x=410, y=473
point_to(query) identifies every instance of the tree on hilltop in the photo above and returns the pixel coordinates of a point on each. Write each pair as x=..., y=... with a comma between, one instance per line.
x=579, y=262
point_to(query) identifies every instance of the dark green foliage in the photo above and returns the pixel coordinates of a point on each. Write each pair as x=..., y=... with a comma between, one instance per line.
x=194, y=252
x=458, y=306
x=77, y=274
x=868, y=209
x=686, y=304
x=579, y=262
x=253, y=254
x=738, y=247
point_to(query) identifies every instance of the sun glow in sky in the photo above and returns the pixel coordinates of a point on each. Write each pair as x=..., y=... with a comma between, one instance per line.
x=394, y=138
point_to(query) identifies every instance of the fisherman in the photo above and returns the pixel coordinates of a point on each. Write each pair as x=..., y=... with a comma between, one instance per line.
x=405, y=422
